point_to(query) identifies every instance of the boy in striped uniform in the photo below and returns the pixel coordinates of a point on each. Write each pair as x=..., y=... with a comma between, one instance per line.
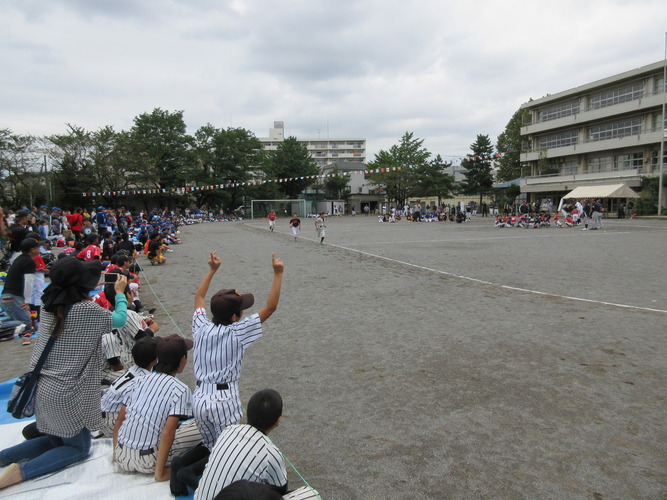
x=220, y=344
x=147, y=433
x=245, y=452
x=144, y=355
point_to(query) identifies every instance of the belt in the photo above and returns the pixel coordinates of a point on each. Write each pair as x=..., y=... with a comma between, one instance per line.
x=221, y=387
x=142, y=453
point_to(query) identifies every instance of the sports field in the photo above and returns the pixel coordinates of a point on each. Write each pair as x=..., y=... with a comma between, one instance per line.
x=443, y=360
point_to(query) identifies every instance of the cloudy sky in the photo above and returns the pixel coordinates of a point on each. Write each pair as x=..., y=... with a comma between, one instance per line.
x=445, y=70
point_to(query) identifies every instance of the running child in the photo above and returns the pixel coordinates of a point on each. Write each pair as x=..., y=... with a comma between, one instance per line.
x=295, y=224
x=272, y=220
x=320, y=227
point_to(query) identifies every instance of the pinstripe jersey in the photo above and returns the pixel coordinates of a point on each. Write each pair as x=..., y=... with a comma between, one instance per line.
x=219, y=349
x=154, y=398
x=241, y=452
x=121, y=388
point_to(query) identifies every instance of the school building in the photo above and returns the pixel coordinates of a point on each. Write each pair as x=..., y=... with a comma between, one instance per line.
x=605, y=132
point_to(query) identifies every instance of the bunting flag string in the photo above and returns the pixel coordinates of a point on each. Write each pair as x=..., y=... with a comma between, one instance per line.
x=257, y=182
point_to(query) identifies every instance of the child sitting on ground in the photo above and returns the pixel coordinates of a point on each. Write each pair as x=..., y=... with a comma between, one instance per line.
x=145, y=357
x=147, y=434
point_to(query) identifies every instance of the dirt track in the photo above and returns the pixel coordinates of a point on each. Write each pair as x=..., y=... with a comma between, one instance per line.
x=417, y=361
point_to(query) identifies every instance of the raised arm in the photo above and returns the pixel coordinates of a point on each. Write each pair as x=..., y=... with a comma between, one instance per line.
x=200, y=295
x=274, y=294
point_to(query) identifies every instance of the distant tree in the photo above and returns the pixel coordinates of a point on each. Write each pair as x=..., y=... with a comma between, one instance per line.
x=220, y=157
x=509, y=148
x=20, y=161
x=433, y=180
x=291, y=161
x=336, y=186
x=161, y=137
x=400, y=165
x=478, y=175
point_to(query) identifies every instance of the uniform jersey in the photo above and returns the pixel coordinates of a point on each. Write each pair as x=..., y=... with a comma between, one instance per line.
x=155, y=397
x=122, y=388
x=91, y=252
x=272, y=216
x=218, y=356
x=241, y=452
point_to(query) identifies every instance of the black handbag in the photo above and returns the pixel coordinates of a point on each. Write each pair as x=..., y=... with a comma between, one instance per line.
x=21, y=404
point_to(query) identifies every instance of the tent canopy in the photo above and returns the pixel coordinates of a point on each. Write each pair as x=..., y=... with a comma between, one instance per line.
x=602, y=191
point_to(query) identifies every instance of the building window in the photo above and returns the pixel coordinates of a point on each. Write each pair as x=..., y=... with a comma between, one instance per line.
x=567, y=109
x=617, y=96
x=629, y=161
x=604, y=164
x=614, y=130
x=559, y=140
x=569, y=167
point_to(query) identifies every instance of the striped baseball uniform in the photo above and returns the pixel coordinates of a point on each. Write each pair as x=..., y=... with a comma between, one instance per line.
x=112, y=400
x=155, y=397
x=218, y=355
x=241, y=452
x=111, y=348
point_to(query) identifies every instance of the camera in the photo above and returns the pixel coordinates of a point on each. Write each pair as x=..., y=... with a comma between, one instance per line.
x=110, y=277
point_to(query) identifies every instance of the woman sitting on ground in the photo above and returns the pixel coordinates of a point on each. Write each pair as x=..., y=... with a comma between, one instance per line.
x=67, y=398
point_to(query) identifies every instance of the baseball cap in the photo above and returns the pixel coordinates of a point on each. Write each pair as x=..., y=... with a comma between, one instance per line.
x=101, y=207
x=21, y=213
x=145, y=351
x=227, y=302
x=172, y=348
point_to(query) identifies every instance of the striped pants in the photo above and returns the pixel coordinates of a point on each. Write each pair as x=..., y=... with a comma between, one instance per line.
x=143, y=461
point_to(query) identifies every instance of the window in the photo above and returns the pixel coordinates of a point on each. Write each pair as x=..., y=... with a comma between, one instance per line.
x=629, y=161
x=559, y=140
x=614, y=130
x=569, y=167
x=567, y=109
x=617, y=96
x=603, y=164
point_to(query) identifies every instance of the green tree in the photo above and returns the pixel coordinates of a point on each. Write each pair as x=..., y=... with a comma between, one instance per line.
x=336, y=186
x=291, y=161
x=224, y=156
x=164, y=146
x=509, y=148
x=399, y=178
x=478, y=175
x=20, y=162
x=433, y=180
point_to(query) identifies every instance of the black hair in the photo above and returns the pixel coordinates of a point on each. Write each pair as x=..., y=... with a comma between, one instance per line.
x=166, y=368
x=244, y=489
x=90, y=239
x=122, y=259
x=264, y=409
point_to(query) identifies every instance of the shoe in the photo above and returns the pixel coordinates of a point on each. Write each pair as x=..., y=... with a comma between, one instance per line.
x=585, y=229
x=151, y=310
x=18, y=331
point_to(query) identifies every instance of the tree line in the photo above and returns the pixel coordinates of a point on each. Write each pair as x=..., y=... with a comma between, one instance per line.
x=158, y=153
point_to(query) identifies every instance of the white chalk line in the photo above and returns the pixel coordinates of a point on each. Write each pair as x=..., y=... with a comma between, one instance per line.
x=480, y=281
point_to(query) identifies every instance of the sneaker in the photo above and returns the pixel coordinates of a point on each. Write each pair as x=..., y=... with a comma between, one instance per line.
x=151, y=310
x=18, y=332
x=585, y=229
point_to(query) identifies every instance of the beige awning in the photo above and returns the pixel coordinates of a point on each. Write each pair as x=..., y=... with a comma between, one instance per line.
x=603, y=191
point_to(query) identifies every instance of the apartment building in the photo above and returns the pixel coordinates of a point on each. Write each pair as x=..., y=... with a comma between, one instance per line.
x=605, y=132
x=323, y=151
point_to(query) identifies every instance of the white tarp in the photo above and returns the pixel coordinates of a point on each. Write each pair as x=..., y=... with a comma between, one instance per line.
x=602, y=191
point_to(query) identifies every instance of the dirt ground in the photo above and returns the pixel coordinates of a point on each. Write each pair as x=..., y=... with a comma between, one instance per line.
x=443, y=360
